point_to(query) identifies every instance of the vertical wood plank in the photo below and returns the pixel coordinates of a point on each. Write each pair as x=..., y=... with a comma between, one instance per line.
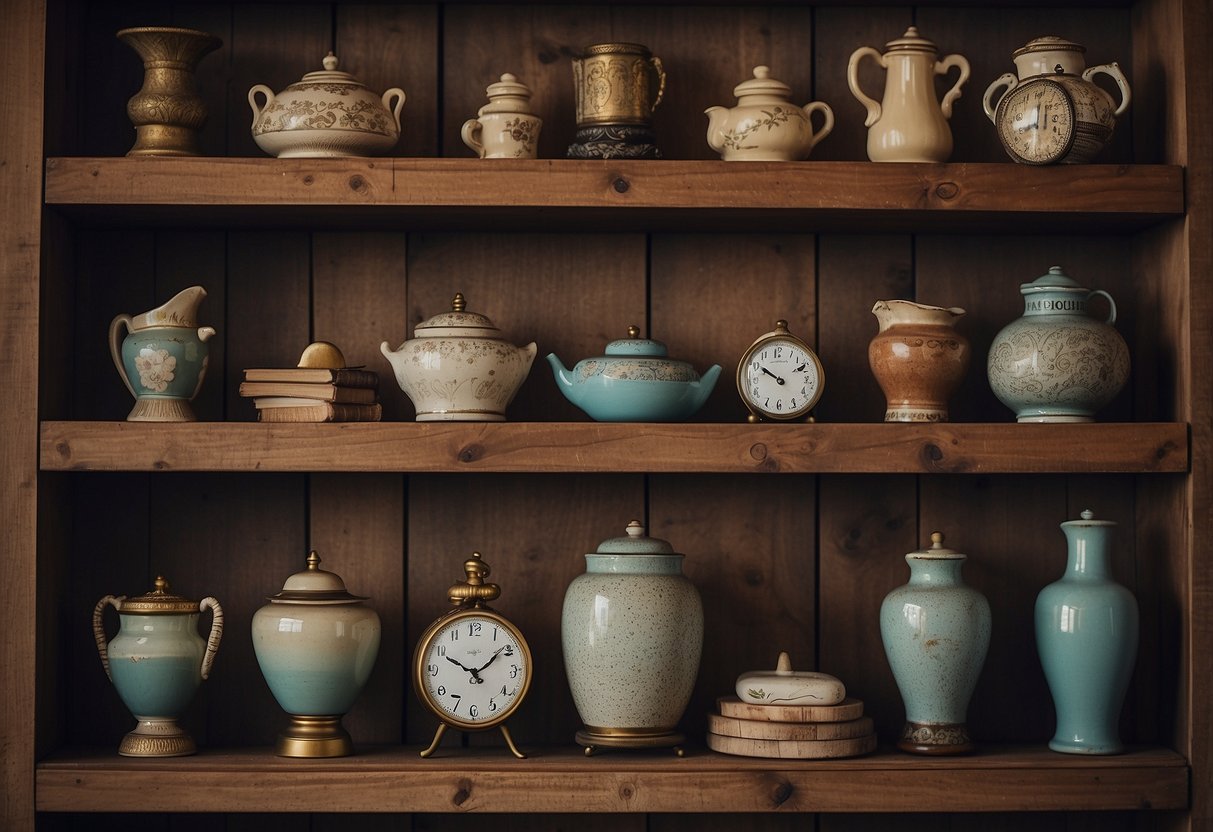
x=213, y=74
x=112, y=72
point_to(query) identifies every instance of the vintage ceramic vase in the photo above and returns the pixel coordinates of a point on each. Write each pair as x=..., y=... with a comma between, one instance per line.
x=329, y=113
x=616, y=86
x=506, y=127
x=909, y=124
x=167, y=111
x=1061, y=61
x=1086, y=634
x=316, y=645
x=1056, y=363
x=632, y=632
x=156, y=662
x=635, y=381
x=918, y=358
x=163, y=357
x=766, y=126
x=936, y=631
x=458, y=368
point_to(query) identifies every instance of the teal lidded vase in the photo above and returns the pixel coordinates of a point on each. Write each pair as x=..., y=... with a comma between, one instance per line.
x=1086, y=634
x=936, y=631
x=156, y=662
x=632, y=633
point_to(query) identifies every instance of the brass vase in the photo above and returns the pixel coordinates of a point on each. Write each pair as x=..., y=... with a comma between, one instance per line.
x=167, y=111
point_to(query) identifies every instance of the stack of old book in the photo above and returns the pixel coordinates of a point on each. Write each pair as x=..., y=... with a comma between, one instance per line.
x=311, y=392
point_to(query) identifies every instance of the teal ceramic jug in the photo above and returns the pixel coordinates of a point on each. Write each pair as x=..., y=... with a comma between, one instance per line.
x=1086, y=634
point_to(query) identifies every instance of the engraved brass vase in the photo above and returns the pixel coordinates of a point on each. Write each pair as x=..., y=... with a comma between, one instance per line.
x=167, y=111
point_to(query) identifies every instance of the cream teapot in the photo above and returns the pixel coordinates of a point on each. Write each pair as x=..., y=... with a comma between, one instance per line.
x=765, y=126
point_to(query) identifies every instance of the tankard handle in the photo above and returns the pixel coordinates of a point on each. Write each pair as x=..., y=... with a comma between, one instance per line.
x=1111, y=319
x=941, y=68
x=660, y=82
x=1008, y=80
x=1112, y=70
x=212, y=643
x=99, y=629
x=853, y=82
x=116, y=336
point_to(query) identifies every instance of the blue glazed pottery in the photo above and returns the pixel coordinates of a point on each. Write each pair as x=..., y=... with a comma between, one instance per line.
x=634, y=381
x=936, y=631
x=316, y=645
x=156, y=663
x=1086, y=634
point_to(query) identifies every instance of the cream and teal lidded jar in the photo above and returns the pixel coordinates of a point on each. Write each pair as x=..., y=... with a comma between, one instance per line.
x=316, y=644
x=632, y=633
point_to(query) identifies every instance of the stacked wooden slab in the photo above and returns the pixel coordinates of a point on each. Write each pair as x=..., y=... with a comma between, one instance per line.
x=800, y=732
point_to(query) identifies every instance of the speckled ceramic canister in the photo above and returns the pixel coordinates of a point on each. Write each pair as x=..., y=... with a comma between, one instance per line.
x=632, y=632
x=1086, y=634
x=936, y=631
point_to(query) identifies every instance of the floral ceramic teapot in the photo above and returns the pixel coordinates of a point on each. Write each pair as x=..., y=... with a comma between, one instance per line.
x=765, y=126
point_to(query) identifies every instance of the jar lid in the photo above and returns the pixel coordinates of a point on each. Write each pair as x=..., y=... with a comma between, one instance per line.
x=911, y=41
x=1054, y=281
x=1048, y=43
x=330, y=74
x=616, y=48
x=509, y=95
x=458, y=322
x=635, y=542
x=158, y=602
x=762, y=84
x=635, y=345
x=315, y=586
x=937, y=551
x=1087, y=519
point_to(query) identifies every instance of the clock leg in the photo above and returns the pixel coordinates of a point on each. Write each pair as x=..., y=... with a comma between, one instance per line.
x=437, y=739
x=505, y=732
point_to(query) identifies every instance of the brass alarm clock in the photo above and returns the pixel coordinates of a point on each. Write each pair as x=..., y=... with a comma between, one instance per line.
x=472, y=666
x=779, y=377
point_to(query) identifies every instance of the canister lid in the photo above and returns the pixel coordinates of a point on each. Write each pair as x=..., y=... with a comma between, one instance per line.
x=635, y=542
x=762, y=84
x=937, y=551
x=1053, y=281
x=330, y=74
x=1087, y=519
x=458, y=322
x=158, y=602
x=616, y=48
x=508, y=95
x=1048, y=43
x=315, y=586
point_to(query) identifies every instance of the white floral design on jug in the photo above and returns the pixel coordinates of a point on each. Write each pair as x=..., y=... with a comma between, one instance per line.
x=156, y=369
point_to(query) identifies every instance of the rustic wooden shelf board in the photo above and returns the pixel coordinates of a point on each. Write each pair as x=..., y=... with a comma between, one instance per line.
x=563, y=447
x=396, y=779
x=437, y=193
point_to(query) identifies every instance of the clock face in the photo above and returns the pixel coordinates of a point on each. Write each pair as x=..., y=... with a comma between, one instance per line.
x=780, y=378
x=472, y=669
x=1036, y=122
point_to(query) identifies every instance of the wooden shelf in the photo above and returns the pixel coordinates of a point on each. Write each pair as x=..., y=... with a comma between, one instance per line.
x=396, y=779
x=613, y=195
x=591, y=447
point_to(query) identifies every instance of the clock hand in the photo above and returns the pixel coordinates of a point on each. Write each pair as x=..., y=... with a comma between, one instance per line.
x=476, y=680
x=800, y=369
x=491, y=660
x=772, y=375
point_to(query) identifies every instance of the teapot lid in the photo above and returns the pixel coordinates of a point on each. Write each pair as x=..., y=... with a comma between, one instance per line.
x=458, y=322
x=911, y=41
x=937, y=551
x=635, y=542
x=1053, y=281
x=762, y=84
x=635, y=345
x=330, y=74
x=1048, y=43
x=158, y=602
x=509, y=95
x=315, y=586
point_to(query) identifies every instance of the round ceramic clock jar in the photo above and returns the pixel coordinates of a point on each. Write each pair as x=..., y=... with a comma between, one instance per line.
x=316, y=645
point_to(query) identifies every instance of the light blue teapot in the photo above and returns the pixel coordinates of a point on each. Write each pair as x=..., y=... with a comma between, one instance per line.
x=635, y=381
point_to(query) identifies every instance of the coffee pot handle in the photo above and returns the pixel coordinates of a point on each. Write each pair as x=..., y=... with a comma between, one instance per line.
x=1111, y=319
x=827, y=125
x=395, y=110
x=471, y=133
x=941, y=68
x=212, y=643
x=116, y=337
x=99, y=629
x=1112, y=70
x=660, y=82
x=853, y=82
x=1008, y=80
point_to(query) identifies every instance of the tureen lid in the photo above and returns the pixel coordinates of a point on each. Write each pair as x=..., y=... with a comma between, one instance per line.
x=1048, y=43
x=635, y=542
x=509, y=95
x=762, y=84
x=458, y=322
x=937, y=551
x=616, y=48
x=315, y=586
x=158, y=602
x=911, y=41
x=635, y=345
x=1053, y=281
x=330, y=74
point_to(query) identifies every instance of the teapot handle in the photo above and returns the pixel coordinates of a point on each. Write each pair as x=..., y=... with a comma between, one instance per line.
x=387, y=96
x=941, y=68
x=1008, y=80
x=660, y=82
x=853, y=82
x=1112, y=70
x=212, y=643
x=471, y=132
x=116, y=337
x=1111, y=319
x=252, y=100
x=827, y=125
x=99, y=629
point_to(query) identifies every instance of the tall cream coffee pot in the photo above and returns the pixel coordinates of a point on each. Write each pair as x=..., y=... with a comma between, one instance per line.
x=910, y=124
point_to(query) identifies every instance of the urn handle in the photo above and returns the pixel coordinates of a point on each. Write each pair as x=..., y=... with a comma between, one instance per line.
x=1008, y=80
x=1111, y=319
x=471, y=132
x=853, y=81
x=99, y=629
x=387, y=96
x=116, y=336
x=1112, y=70
x=212, y=643
x=941, y=68
x=657, y=65
x=252, y=100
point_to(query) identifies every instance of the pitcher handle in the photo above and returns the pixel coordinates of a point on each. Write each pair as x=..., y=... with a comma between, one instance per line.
x=827, y=125
x=1008, y=80
x=1111, y=319
x=470, y=134
x=941, y=68
x=853, y=81
x=116, y=348
x=99, y=629
x=660, y=82
x=387, y=96
x=252, y=100
x=1112, y=70
x=212, y=643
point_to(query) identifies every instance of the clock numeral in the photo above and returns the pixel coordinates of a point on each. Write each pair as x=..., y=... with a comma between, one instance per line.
x=492, y=705
x=441, y=650
x=514, y=671
x=442, y=690
x=779, y=352
x=432, y=669
x=454, y=634
x=756, y=391
x=495, y=633
x=457, y=699
x=779, y=404
x=756, y=366
x=473, y=712
x=503, y=690
x=508, y=652
x=793, y=404
x=474, y=628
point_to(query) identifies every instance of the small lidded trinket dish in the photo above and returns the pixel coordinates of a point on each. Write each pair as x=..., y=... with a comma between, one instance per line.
x=785, y=686
x=328, y=113
x=506, y=127
x=766, y=126
x=635, y=381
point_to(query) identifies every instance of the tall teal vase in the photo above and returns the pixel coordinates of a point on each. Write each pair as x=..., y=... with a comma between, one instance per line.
x=1086, y=634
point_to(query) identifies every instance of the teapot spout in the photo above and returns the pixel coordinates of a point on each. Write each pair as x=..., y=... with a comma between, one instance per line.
x=717, y=118
x=564, y=378
x=180, y=310
x=705, y=385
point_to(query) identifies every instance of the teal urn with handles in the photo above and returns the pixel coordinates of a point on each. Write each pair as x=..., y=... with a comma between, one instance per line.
x=936, y=631
x=1086, y=634
x=156, y=662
